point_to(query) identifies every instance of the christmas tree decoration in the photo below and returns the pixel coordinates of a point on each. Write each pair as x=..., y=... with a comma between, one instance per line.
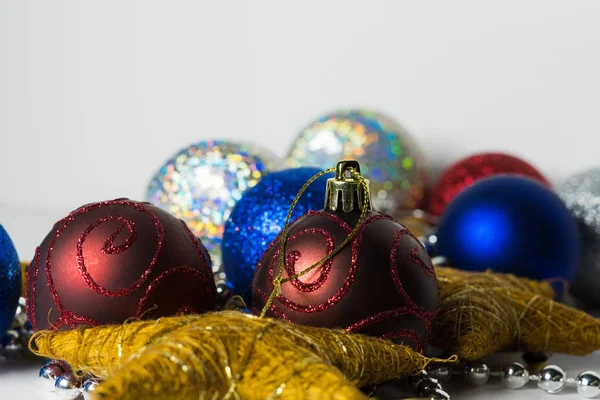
x=510, y=224
x=487, y=312
x=111, y=261
x=231, y=352
x=468, y=170
x=10, y=280
x=229, y=355
x=581, y=194
x=201, y=183
x=302, y=279
x=388, y=154
x=259, y=216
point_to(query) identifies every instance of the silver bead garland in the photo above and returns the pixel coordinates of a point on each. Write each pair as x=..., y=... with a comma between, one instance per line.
x=551, y=379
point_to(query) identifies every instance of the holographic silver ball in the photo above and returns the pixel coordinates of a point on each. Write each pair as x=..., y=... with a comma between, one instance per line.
x=514, y=375
x=581, y=194
x=551, y=379
x=67, y=387
x=388, y=155
x=201, y=183
x=477, y=374
x=588, y=384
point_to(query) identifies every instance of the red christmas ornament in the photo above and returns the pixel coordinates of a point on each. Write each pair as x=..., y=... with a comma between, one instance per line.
x=466, y=171
x=110, y=261
x=382, y=283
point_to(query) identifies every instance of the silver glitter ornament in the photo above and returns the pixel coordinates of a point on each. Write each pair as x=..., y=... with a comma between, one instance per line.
x=201, y=183
x=514, y=375
x=67, y=387
x=551, y=379
x=581, y=194
x=388, y=155
x=588, y=384
x=477, y=374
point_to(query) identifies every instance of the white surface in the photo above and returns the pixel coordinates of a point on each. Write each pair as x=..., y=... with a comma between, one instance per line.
x=95, y=95
x=18, y=381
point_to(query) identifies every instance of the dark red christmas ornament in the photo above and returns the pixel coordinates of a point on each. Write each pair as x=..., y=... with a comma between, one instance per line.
x=466, y=171
x=382, y=283
x=110, y=261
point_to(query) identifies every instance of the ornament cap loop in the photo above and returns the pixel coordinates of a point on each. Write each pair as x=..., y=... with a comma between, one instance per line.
x=346, y=192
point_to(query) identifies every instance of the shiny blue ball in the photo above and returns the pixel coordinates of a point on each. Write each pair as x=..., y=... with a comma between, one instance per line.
x=258, y=217
x=10, y=281
x=510, y=224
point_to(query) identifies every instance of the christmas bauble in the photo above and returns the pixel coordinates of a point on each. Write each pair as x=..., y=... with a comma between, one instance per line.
x=10, y=281
x=581, y=194
x=510, y=224
x=466, y=171
x=381, y=284
x=388, y=155
x=110, y=261
x=260, y=215
x=201, y=183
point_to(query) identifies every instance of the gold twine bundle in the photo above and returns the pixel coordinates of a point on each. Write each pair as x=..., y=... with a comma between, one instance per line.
x=482, y=313
x=228, y=355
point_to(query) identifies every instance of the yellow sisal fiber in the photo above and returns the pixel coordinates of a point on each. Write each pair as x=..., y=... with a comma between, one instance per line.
x=228, y=355
x=482, y=313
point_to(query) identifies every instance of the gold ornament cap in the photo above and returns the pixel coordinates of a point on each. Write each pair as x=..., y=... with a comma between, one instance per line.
x=345, y=193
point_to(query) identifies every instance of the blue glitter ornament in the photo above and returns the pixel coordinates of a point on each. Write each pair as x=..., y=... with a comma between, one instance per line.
x=10, y=280
x=510, y=224
x=259, y=216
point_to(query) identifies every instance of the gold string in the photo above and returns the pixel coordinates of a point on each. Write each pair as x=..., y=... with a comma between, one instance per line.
x=278, y=280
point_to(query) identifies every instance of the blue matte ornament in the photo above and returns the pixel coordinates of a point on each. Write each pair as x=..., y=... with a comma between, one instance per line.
x=259, y=216
x=513, y=225
x=10, y=281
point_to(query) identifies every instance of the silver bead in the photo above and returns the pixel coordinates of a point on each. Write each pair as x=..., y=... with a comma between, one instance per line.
x=49, y=373
x=551, y=379
x=588, y=384
x=440, y=394
x=514, y=375
x=442, y=373
x=67, y=387
x=477, y=374
x=427, y=386
x=89, y=387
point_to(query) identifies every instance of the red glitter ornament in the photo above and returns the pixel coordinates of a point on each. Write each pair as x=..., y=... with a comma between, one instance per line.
x=382, y=283
x=466, y=171
x=110, y=261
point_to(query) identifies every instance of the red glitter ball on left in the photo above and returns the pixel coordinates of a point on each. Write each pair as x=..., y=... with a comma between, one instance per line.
x=110, y=261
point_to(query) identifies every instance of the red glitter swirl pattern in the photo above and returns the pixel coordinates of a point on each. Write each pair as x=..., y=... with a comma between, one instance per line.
x=74, y=243
x=362, y=288
x=193, y=272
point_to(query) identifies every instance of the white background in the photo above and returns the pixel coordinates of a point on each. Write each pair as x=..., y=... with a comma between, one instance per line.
x=95, y=95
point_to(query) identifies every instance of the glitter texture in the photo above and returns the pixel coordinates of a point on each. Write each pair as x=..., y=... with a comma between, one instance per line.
x=259, y=216
x=581, y=194
x=388, y=155
x=10, y=280
x=466, y=171
x=201, y=184
x=381, y=284
x=109, y=261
